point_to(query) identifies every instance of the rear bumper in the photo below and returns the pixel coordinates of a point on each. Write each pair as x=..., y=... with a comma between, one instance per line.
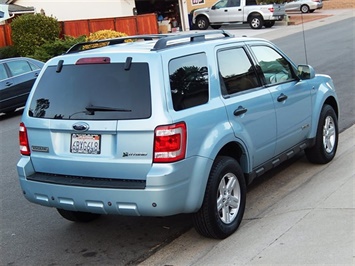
x=170, y=189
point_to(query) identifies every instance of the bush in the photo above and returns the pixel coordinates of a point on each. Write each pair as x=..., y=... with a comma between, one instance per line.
x=8, y=52
x=102, y=35
x=57, y=47
x=30, y=31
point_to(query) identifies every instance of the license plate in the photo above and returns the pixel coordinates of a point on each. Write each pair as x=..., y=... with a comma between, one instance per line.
x=85, y=143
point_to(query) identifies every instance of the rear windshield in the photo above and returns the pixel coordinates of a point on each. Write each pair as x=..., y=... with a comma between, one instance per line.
x=93, y=92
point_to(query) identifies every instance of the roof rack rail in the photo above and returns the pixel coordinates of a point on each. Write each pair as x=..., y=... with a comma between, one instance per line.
x=79, y=46
x=190, y=37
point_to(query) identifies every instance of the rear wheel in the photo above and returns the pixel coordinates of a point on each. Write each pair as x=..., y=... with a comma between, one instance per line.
x=74, y=216
x=224, y=201
x=304, y=9
x=202, y=23
x=326, y=139
x=256, y=22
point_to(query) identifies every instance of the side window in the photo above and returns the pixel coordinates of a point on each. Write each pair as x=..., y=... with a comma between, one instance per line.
x=189, y=81
x=236, y=71
x=3, y=74
x=233, y=3
x=275, y=68
x=19, y=67
x=221, y=4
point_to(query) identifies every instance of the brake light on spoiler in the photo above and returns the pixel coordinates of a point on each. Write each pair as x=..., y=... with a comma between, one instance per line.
x=170, y=143
x=93, y=60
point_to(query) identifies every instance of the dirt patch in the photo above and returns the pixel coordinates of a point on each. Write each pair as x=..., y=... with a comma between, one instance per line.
x=338, y=4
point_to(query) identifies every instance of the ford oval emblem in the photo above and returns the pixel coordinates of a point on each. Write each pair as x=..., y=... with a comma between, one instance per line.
x=80, y=126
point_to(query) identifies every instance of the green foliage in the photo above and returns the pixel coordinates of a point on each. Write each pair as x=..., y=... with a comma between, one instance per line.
x=8, y=52
x=30, y=31
x=57, y=47
x=102, y=35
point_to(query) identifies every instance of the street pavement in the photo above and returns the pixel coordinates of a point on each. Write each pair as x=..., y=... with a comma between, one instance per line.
x=308, y=219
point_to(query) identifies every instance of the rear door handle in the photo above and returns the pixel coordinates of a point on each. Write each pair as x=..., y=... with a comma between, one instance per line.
x=8, y=84
x=282, y=97
x=240, y=110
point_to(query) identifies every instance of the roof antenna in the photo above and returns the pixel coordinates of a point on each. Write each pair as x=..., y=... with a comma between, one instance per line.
x=304, y=39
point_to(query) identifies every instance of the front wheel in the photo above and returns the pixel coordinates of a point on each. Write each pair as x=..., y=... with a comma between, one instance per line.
x=256, y=22
x=326, y=139
x=75, y=216
x=202, y=23
x=223, y=205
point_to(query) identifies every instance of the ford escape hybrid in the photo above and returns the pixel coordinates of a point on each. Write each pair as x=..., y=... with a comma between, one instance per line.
x=170, y=124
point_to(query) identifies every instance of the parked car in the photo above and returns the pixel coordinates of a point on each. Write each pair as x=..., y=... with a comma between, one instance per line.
x=17, y=76
x=170, y=125
x=305, y=6
x=225, y=12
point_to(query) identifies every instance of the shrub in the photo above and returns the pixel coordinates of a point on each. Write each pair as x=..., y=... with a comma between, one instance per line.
x=30, y=31
x=8, y=52
x=102, y=35
x=57, y=47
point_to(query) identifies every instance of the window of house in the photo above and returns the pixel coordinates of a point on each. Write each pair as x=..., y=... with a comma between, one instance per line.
x=189, y=81
x=236, y=71
x=276, y=69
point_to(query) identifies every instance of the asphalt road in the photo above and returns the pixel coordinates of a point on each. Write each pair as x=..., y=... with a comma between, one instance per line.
x=35, y=235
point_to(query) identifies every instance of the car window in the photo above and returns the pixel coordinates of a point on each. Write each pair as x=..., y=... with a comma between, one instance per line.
x=189, y=81
x=233, y=3
x=93, y=92
x=236, y=71
x=33, y=66
x=276, y=69
x=3, y=74
x=19, y=67
x=221, y=4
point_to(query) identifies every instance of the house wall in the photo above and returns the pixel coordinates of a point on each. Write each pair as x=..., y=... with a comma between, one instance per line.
x=64, y=10
x=194, y=4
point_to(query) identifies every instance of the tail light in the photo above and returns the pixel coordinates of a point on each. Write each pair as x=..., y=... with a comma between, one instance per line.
x=24, y=145
x=169, y=143
x=271, y=9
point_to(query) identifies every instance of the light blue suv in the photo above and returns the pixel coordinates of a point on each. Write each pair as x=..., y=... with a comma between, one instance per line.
x=170, y=124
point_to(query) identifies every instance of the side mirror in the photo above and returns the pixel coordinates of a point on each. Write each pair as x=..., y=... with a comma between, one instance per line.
x=305, y=72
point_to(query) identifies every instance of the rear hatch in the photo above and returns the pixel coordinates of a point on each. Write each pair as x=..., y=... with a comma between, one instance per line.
x=91, y=119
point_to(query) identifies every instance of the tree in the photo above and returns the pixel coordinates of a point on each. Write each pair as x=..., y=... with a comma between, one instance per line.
x=30, y=31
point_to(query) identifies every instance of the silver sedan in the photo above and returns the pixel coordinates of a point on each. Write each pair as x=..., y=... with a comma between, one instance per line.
x=305, y=6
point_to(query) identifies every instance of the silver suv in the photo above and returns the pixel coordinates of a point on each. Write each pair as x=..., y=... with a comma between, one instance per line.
x=169, y=124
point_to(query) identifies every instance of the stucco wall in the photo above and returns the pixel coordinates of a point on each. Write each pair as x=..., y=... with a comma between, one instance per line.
x=194, y=4
x=65, y=10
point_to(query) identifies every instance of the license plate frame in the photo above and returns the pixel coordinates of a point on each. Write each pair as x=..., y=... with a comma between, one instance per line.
x=85, y=143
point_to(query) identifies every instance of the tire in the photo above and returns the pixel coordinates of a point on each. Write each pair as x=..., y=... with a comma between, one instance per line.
x=216, y=27
x=202, y=23
x=222, y=210
x=269, y=24
x=326, y=139
x=304, y=9
x=82, y=217
x=256, y=22
x=312, y=10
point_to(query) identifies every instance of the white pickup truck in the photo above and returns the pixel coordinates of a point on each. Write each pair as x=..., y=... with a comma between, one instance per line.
x=226, y=12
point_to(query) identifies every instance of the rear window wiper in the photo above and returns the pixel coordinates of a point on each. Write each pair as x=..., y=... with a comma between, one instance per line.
x=93, y=108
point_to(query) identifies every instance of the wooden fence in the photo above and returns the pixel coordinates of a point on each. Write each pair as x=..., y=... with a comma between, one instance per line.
x=134, y=25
